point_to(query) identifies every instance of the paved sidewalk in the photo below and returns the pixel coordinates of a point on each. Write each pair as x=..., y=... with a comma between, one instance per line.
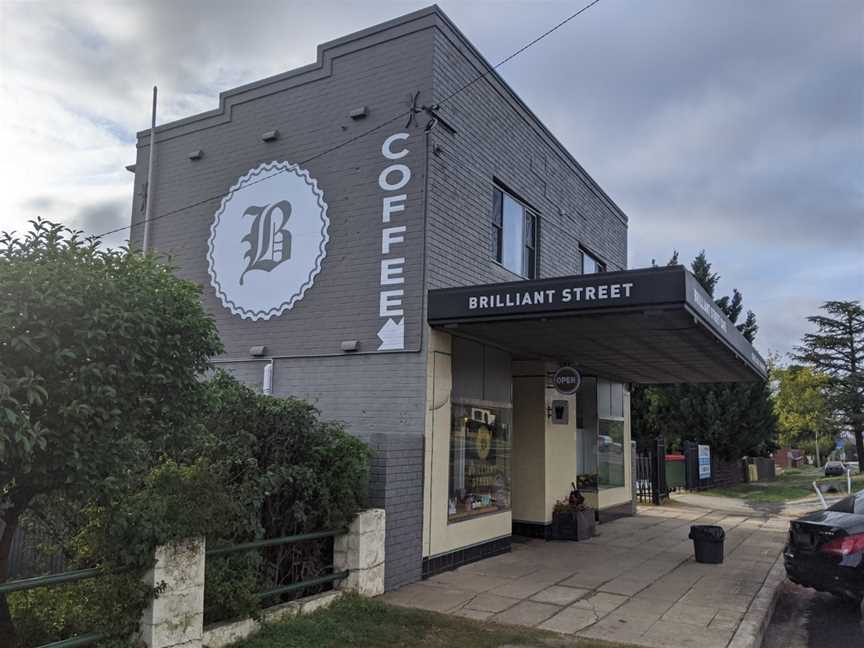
x=790, y=509
x=634, y=583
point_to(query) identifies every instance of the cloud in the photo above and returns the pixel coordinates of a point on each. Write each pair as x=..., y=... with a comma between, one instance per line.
x=103, y=216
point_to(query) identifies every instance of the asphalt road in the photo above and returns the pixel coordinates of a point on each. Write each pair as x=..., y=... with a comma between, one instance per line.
x=805, y=618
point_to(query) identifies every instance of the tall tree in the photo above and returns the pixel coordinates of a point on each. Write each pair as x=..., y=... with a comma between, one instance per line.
x=734, y=418
x=100, y=357
x=804, y=418
x=837, y=349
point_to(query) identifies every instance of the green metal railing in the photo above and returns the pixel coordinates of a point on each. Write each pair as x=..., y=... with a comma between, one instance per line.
x=293, y=587
x=87, y=639
x=23, y=584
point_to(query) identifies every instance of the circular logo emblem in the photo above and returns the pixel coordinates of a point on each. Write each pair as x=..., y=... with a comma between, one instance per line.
x=567, y=380
x=483, y=442
x=268, y=240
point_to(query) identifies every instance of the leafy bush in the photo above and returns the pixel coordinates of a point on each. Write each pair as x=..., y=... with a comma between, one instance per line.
x=287, y=473
x=110, y=603
x=255, y=467
x=105, y=419
x=171, y=503
x=101, y=353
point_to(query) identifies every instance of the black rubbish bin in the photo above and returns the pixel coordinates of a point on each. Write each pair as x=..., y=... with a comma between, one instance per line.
x=708, y=543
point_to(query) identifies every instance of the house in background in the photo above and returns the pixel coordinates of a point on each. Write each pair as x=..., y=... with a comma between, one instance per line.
x=397, y=238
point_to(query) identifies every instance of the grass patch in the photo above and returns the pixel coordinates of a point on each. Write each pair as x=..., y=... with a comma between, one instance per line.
x=363, y=623
x=792, y=484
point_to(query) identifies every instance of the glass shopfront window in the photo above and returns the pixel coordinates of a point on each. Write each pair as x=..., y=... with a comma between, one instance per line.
x=480, y=443
x=586, y=435
x=599, y=434
x=610, y=433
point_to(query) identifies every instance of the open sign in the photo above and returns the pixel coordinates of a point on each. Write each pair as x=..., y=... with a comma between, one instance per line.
x=567, y=380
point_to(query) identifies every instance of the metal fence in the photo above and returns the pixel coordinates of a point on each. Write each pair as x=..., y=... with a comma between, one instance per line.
x=23, y=584
x=650, y=484
x=644, y=478
x=26, y=558
x=275, y=542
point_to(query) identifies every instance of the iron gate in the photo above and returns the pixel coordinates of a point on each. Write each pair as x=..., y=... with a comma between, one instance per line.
x=651, y=474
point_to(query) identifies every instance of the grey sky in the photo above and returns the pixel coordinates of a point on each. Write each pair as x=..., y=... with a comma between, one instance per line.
x=737, y=127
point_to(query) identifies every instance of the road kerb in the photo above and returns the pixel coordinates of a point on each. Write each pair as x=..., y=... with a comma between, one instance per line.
x=752, y=628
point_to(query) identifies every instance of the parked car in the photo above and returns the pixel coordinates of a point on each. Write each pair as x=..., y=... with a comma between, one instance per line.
x=835, y=469
x=825, y=550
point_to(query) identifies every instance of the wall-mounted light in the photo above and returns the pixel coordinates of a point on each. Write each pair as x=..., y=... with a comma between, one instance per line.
x=349, y=346
x=359, y=113
x=270, y=136
x=197, y=154
x=130, y=168
x=257, y=351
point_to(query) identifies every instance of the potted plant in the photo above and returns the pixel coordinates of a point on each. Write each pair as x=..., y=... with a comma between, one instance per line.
x=572, y=519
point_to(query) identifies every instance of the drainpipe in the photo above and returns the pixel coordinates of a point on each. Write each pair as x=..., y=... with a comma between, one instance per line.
x=149, y=198
x=267, y=380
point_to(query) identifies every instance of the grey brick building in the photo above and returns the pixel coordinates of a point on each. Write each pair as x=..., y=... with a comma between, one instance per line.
x=392, y=234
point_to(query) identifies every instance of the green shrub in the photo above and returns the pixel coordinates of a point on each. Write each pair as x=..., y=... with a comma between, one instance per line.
x=111, y=603
x=287, y=473
x=255, y=467
x=171, y=503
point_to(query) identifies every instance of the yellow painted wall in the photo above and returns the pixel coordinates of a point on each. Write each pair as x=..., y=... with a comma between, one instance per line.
x=544, y=453
x=438, y=535
x=528, y=460
x=560, y=452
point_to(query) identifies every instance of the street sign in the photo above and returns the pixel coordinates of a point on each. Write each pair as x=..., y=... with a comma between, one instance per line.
x=704, y=462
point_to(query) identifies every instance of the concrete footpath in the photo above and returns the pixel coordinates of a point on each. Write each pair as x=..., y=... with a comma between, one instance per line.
x=636, y=582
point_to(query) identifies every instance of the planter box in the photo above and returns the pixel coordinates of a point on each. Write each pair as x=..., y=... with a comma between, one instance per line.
x=572, y=525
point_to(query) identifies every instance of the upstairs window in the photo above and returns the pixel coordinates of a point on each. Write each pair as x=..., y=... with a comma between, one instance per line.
x=514, y=234
x=591, y=264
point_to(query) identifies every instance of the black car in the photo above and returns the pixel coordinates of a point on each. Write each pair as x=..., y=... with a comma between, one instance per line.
x=826, y=549
x=834, y=469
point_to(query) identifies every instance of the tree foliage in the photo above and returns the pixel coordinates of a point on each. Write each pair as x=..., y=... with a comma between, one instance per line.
x=733, y=418
x=255, y=467
x=837, y=350
x=112, y=441
x=801, y=406
x=286, y=472
x=100, y=357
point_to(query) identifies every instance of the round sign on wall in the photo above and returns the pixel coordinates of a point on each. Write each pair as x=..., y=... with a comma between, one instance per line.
x=567, y=380
x=268, y=240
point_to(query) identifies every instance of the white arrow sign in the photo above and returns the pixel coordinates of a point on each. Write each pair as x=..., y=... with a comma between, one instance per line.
x=392, y=335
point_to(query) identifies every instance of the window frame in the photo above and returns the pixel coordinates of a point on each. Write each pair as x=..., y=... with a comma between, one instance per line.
x=530, y=242
x=598, y=262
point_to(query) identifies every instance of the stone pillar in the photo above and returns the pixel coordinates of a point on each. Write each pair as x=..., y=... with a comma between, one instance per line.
x=361, y=551
x=175, y=617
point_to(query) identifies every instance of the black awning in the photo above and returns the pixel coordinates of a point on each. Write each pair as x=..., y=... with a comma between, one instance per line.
x=655, y=325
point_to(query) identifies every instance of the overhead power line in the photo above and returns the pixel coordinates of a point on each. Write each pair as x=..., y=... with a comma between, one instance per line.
x=369, y=131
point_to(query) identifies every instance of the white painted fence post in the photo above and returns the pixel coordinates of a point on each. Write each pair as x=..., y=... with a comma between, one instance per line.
x=361, y=551
x=175, y=617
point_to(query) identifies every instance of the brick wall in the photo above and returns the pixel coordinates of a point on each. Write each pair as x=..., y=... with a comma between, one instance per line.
x=397, y=486
x=497, y=139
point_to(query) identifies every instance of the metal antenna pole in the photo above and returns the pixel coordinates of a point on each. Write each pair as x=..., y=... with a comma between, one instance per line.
x=149, y=198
